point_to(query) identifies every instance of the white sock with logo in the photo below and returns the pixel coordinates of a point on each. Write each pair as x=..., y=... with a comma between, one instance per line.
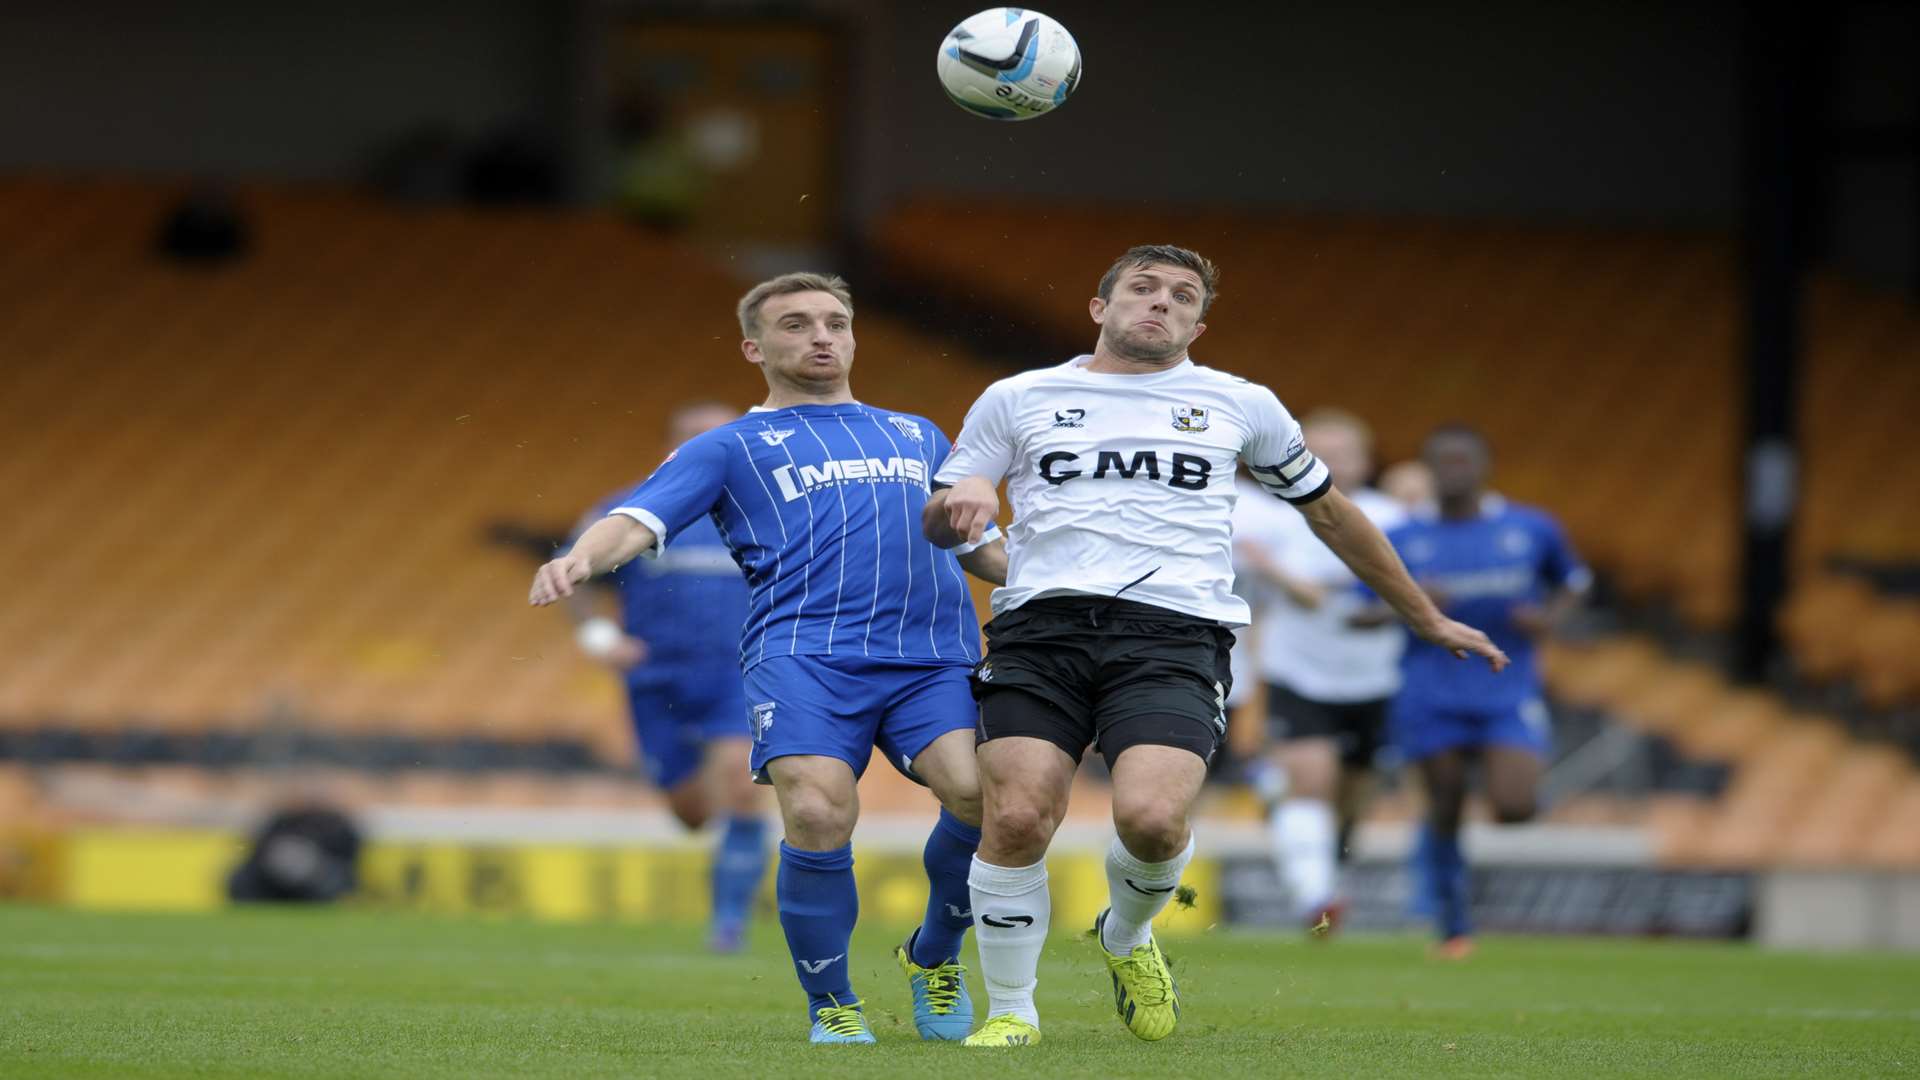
x=1137, y=892
x=1304, y=837
x=1011, y=909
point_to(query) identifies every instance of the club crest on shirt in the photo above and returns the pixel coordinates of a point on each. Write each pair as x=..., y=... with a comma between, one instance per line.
x=1189, y=418
x=907, y=427
x=775, y=436
x=762, y=719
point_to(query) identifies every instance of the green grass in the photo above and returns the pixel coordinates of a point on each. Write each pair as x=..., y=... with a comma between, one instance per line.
x=355, y=993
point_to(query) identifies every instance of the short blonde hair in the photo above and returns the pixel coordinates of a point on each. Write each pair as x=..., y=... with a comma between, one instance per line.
x=785, y=284
x=1334, y=416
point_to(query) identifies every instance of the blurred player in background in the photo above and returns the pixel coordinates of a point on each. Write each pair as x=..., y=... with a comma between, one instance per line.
x=1409, y=483
x=860, y=634
x=676, y=645
x=1328, y=682
x=1510, y=569
x=1112, y=629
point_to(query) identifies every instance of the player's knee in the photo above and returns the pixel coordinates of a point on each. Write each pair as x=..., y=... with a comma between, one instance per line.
x=818, y=819
x=1152, y=828
x=963, y=802
x=1018, y=830
x=689, y=805
x=1515, y=809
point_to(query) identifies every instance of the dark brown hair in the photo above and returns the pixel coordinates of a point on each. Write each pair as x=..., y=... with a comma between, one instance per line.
x=1164, y=255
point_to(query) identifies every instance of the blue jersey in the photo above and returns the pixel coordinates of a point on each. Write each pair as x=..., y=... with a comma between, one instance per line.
x=1509, y=556
x=820, y=505
x=688, y=605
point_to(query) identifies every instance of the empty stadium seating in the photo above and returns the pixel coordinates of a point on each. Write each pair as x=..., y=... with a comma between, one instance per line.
x=1602, y=363
x=258, y=493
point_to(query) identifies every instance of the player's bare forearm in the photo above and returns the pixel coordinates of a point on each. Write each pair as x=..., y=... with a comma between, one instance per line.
x=988, y=562
x=612, y=541
x=1366, y=550
x=1369, y=554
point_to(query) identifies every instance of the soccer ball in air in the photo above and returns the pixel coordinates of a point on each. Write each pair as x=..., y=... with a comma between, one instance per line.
x=1009, y=64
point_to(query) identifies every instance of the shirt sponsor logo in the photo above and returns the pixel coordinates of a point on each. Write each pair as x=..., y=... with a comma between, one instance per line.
x=797, y=481
x=1189, y=471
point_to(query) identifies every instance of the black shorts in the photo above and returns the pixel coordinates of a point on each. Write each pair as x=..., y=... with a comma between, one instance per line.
x=1358, y=728
x=1078, y=670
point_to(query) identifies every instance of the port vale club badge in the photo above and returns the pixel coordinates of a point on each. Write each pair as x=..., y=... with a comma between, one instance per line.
x=1189, y=418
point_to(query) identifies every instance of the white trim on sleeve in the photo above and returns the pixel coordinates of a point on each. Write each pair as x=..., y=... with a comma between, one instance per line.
x=651, y=521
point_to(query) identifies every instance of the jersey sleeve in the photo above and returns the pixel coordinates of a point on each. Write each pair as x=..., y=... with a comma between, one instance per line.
x=1276, y=451
x=1560, y=566
x=985, y=445
x=942, y=450
x=681, y=491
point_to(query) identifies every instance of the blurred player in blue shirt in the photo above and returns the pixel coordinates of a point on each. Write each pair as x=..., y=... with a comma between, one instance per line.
x=1509, y=570
x=859, y=635
x=675, y=645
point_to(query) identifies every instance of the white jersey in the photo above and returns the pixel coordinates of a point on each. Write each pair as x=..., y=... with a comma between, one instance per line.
x=1122, y=485
x=1314, y=653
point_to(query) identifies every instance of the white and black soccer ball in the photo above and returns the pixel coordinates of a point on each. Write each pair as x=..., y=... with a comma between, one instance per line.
x=1009, y=64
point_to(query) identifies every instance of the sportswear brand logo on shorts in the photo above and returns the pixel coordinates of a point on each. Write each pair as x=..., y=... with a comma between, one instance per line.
x=815, y=967
x=1009, y=921
x=1139, y=888
x=907, y=427
x=986, y=673
x=775, y=437
x=762, y=720
x=1189, y=418
x=1069, y=417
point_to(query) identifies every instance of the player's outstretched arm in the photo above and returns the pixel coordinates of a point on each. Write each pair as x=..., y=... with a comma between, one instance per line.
x=960, y=514
x=612, y=541
x=1369, y=554
x=988, y=562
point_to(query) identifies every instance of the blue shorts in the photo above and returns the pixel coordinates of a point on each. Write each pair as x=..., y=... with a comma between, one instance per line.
x=674, y=719
x=842, y=707
x=1420, y=730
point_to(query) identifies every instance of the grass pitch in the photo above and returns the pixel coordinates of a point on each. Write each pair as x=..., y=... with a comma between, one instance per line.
x=355, y=993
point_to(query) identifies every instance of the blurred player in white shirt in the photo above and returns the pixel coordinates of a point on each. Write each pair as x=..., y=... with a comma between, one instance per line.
x=1328, y=683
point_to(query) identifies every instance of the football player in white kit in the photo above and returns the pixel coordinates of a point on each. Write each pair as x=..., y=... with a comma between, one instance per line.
x=1113, y=626
x=1328, y=682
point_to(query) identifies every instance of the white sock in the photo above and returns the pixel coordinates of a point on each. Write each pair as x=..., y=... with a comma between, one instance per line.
x=1304, y=837
x=1137, y=892
x=1011, y=909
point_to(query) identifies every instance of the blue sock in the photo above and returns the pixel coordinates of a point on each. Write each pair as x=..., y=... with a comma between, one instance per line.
x=1449, y=885
x=818, y=906
x=948, y=859
x=1420, y=876
x=738, y=862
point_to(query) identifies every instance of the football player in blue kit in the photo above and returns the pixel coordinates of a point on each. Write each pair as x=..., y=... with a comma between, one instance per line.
x=675, y=646
x=859, y=635
x=1508, y=569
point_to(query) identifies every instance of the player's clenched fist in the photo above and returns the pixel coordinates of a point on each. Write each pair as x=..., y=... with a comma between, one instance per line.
x=971, y=507
x=557, y=579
